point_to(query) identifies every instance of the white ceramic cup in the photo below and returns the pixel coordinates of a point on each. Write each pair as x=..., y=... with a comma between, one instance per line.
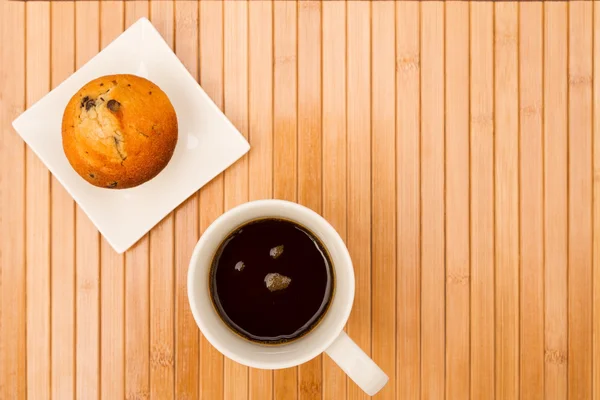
x=328, y=336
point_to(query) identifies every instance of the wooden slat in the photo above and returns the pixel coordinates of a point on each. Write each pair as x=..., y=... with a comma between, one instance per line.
x=62, y=226
x=457, y=201
x=112, y=266
x=596, y=205
x=260, y=84
x=236, y=177
x=13, y=313
x=260, y=133
x=112, y=323
x=432, y=202
x=359, y=175
x=309, y=109
x=531, y=197
x=506, y=197
x=137, y=286
x=162, y=274
x=87, y=249
x=555, y=199
x=285, y=147
x=285, y=144
x=309, y=148
x=334, y=150
x=186, y=226
x=580, y=201
x=137, y=326
x=383, y=188
x=211, y=364
x=162, y=351
x=37, y=216
x=408, y=196
x=482, y=201
x=211, y=377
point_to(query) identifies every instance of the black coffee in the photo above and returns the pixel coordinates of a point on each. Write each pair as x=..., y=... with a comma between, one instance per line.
x=271, y=280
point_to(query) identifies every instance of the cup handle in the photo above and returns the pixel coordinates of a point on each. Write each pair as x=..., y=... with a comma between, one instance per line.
x=357, y=364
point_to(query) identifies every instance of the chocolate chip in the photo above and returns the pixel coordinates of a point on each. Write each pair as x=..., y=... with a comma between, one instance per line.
x=87, y=103
x=129, y=84
x=102, y=98
x=92, y=176
x=112, y=184
x=149, y=92
x=113, y=105
x=115, y=82
x=102, y=84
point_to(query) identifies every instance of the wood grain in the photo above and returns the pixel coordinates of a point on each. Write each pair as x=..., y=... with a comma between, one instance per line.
x=260, y=84
x=482, y=200
x=112, y=265
x=359, y=174
x=580, y=201
x=383, y=189
x=137, y=286
x=531, y=200
x=211, y=377
x=506, y=198
x=433, y=271
x=408, y=199
x=162, y=274
x=555, y=199
x=13, y=313
x=457, y=200
x=309, y=149
x=285, y=100
x=62, y=331
x=285, y=139
x=37, y=217
x=453, y=145
x=186, y=224
x=260, y=135
x=87, y=249
x=236, y=178
x=596, y=206
x=334, y=149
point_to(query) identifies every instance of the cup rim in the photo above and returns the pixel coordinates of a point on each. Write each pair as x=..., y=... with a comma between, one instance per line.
x=329, y=336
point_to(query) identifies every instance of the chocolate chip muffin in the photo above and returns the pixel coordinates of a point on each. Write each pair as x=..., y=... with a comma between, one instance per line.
x=119, y=131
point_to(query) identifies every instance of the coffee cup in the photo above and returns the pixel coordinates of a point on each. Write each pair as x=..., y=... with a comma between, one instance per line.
x=327, y=336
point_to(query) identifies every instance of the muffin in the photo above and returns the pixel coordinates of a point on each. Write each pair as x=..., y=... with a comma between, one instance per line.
x=119, y=131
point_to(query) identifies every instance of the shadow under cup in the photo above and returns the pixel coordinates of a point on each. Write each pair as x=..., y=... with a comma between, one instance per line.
x=254, y=354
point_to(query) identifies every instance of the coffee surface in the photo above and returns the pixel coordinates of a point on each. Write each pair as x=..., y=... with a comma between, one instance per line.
x=271, y=280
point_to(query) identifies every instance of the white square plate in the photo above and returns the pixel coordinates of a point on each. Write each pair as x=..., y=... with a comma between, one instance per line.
x=208, y=142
